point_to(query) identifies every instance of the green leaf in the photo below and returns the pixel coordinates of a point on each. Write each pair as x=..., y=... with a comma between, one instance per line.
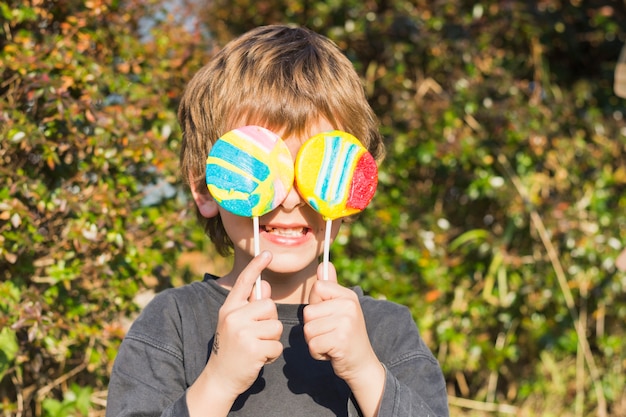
x=475, y=235
x=9, y=347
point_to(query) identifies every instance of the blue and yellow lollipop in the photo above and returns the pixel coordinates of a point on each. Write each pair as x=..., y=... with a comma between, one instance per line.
x=249, y=172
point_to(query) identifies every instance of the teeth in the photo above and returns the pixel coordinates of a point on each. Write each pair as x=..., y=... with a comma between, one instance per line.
x=285, y=232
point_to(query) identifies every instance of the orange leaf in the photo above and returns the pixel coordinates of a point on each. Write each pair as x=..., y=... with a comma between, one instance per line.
x=432, y=295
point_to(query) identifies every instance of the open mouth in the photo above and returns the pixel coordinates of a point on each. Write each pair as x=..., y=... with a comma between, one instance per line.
x=286, y=232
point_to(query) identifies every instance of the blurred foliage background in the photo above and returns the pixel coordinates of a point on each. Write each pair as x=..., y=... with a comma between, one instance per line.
x=499, y=219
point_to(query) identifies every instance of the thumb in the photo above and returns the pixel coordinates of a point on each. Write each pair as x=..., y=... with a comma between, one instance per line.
x=244, y=285
x=266, y=291
x=323, y=289
x=332, y=272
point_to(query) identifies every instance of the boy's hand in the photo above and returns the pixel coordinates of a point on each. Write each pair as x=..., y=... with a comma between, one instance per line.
x=248, y=332
x=247, y=335
x=334, y=328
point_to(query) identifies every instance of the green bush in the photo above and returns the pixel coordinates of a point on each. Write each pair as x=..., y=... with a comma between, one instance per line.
x=89, y=204
x=499, y=215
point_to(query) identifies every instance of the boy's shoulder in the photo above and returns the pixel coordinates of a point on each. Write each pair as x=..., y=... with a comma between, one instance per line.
x=379, y=305
x=198, y=297
x=392, y=330
x=196, y=291
x=383, y=314
x=177, y=308
x=184, y=293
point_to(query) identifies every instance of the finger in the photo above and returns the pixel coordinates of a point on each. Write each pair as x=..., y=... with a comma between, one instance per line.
x=272, y=350
x=330, y=337
x=323, y=290
x=266, y=291
x=322, y=347
x=318, y=327
x=244, y=286
x=267, y=330
x=264, y=309
x=332, y=272
x=315, y=311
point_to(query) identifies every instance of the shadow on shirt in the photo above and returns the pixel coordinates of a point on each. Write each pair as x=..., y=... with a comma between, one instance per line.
x=301, y=382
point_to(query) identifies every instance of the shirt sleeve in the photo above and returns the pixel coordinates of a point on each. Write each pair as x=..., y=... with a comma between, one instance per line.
x=421, y=398
x=414, y=385
x=148, y=377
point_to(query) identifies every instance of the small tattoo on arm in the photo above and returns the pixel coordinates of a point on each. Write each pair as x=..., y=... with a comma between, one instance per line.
x=216, y=343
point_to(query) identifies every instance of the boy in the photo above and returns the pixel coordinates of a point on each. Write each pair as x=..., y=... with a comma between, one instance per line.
x=308, y=347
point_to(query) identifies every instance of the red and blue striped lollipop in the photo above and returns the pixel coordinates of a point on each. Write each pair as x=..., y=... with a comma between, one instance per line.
x=337, y=176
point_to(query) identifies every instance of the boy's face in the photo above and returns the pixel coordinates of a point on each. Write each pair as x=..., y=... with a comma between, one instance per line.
x=293, y=232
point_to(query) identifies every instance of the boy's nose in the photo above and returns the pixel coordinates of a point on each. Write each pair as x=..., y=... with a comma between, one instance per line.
x=293, y=200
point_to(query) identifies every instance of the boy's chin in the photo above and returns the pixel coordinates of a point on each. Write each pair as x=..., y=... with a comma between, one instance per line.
x=290, y=264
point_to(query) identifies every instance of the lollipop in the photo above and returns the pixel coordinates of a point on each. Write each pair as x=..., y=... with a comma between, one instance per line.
x=249, y=172
x=337, y=176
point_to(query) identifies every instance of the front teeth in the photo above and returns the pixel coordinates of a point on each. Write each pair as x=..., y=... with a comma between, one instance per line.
x=299, y=231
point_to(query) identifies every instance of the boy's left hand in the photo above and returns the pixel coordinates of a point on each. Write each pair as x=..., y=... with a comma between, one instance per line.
x=334, y=328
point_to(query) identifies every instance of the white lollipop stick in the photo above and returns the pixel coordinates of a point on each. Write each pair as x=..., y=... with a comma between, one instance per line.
x=329, y=224
x=257, y=250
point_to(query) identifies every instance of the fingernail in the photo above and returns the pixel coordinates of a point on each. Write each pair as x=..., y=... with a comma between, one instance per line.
x=265, y=254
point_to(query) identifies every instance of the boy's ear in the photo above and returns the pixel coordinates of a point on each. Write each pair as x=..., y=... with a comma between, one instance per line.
x=204, y=200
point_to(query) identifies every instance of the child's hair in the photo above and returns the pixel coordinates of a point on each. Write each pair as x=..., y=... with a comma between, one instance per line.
x=280, y=77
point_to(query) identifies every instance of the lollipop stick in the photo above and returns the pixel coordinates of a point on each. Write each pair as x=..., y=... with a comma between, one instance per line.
x=329, y=224
x=257, y=250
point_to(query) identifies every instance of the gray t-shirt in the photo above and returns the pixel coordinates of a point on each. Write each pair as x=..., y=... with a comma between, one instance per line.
x=169, y=344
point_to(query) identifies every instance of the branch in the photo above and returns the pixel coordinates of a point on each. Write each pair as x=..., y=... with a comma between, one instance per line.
x=563, y=284
x=482, y=406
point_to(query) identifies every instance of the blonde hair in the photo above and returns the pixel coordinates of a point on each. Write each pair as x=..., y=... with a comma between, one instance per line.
x=280, y=77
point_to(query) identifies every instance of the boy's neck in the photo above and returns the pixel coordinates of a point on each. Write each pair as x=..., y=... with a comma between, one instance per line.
x=290, y=290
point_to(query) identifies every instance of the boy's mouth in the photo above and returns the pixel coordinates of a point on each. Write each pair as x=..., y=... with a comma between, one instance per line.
x=286, y=231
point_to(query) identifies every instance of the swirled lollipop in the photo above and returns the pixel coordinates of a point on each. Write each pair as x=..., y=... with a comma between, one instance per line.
x=337, y=176
x=249, y=172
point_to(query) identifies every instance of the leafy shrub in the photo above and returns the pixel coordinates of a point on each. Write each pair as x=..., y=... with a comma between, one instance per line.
x=89, y=212
x=499, y=215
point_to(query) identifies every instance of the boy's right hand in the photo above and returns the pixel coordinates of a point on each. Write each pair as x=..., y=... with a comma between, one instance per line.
x=247, y=337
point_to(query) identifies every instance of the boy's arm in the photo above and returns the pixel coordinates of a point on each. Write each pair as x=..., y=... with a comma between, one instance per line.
x=335, y=330
x=414, y=383
x=148, y=376
x=247, y=337
x=419, y=392
x=423, y=394
x=408, y=383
